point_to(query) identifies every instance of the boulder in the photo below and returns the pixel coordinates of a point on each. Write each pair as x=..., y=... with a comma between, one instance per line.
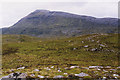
x=52, y=67
x=94, y=49
x=97, y=67
x=116, y=75
x=59, y=71
x=36, y=70
x=86, y=46
x=65, y=73
x=22, y=75
x=81, y=74
x=41, y=76
x=21, y=68
x=59, y=76
x=102, y=45
x=14, y=75
x=74, y=67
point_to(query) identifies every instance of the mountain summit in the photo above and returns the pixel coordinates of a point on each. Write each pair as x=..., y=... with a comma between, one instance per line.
x=45, y=23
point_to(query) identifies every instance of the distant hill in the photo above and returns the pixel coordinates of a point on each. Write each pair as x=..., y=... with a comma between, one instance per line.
x=44, y=23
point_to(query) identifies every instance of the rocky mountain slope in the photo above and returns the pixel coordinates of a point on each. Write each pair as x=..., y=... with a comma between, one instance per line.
x=44, y=23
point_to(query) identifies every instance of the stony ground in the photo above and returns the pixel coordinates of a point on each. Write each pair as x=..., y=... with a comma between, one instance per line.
x=86, y=56
x=103, y=72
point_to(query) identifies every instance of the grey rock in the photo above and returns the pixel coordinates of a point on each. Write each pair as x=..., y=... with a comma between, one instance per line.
x=81, y=74
x=59, y=76
x=41, y=76
x=36, y=70
x=22, y=75
x=86, y=46
x=21, y=68
x=74, y=67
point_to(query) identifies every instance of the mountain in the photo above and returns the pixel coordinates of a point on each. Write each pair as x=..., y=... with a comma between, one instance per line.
x=44, y=23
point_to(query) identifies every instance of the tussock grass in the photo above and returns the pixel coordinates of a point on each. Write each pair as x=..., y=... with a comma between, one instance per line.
x=23, y=50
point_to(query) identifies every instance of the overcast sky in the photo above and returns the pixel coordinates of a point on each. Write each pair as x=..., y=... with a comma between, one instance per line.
x=13, y=10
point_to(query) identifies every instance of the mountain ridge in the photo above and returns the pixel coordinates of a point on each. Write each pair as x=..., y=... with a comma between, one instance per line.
x=56, y=23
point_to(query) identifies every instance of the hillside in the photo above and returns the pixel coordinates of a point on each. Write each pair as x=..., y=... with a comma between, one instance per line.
x=62, y=57
x=96, y=49
x=52, y=44
x=44, y=23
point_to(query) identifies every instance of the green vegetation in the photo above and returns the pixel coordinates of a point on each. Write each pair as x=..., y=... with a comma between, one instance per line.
x=86, y=50
x=59, y=51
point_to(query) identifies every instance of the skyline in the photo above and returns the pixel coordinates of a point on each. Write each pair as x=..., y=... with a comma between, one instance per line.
x=12, y=12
